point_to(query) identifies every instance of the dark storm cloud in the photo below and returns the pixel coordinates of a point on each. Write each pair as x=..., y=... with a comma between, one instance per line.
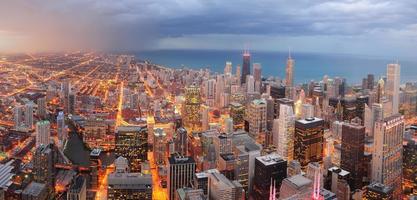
x=142, y=24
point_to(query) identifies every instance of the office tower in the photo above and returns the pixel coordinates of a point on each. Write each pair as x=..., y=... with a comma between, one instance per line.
x=308, y=145
x=276, y=92
x=205, y=118
x=380, y=93
x=285, y=145
x=181, y=171
x=44, y=161
x=131, y=142
x=221, y=188
x=123, y=184
x=210, y=91
x=307, y=111
x=17, y=115
x=370, y=81
x=378, y=191
x=343, y=190
x=245, y=66
x=250, y=84
x=77, y=189
x=282, y=101
x=65, y=92
x=72, y=103
x=295, y=186
x=29, y=115
x=257, y=76
x=95, y=169
x=191, y=109
x=35, y=190
x=43, y=133
x=228, y=68
x=228, y=125
x=353, y=149
x=377, y=115
x=238, y=75
x=334, y=176
x=393, y=86
x=294, y=168
x=387, y=153
x=61, y=129
x=289, y=72
x=159, y=145
x=181, y=141
x=220, y=89
x=237, y=113
x=267, y=168
x=245, y=163
x=41, y=112
x=256, y=116
x=189, y=193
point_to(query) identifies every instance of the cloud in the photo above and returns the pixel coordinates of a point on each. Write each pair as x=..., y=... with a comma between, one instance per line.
x=149, y=24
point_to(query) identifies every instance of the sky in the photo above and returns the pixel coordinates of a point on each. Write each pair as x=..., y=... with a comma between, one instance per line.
x=366, y=27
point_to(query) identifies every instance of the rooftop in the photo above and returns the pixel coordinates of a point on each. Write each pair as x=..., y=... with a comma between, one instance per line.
x=270, y=159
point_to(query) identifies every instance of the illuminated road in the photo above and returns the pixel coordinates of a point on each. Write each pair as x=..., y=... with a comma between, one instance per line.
x=87, y=75
x=102, y=188
x=157, y=191
x=119, y=117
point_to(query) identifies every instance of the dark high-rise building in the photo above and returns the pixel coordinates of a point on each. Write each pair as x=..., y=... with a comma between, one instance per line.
x=131, y=143
x=245, y=66
x=268, y=168
x=361, y=101
x=181, y=171
x=378, y=191
x=308, y=143
x=370, y=81
x=95, y=167
x=409, y=168
x=44, y=162
x=352, y=154
x=78, y=189
x=181, y=144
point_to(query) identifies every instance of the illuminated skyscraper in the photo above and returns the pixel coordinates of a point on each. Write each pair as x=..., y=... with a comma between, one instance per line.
x=256, y=116
x=387, y=153
x=393, y=86
x=43, y=133
x=44, y=171
x=181, y=141
x=238, y=75
x=237, y=113
x=191, y=108
x=285, y=143
x=245, y=66
x=308, y=144
x=257, y=76
x=378, y=191
x=132, y=143
x=289, y=77
x=267, y=168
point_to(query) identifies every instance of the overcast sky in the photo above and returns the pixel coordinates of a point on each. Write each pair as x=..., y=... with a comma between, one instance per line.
x=369, y=27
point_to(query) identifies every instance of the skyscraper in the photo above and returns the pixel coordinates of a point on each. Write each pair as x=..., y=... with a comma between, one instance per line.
x=41, y=102
x=17, y=115
x=43, y=133
x=191, y=108
x=352, y=154
x=181, y=171
x=308, y=145
x=393, y=86
x=257, y=76
x=131, y=143
x=387, y=153
x=29, y=115
x=44, y=161
x=256, y=116
x=289, y=72
x=61, y=129
x=72, y=103
x=267, y=168
x=159, y=145
x=221, y=188
x=245, y=66
x=228, y=68
x=285, y=143
x=181, y=141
